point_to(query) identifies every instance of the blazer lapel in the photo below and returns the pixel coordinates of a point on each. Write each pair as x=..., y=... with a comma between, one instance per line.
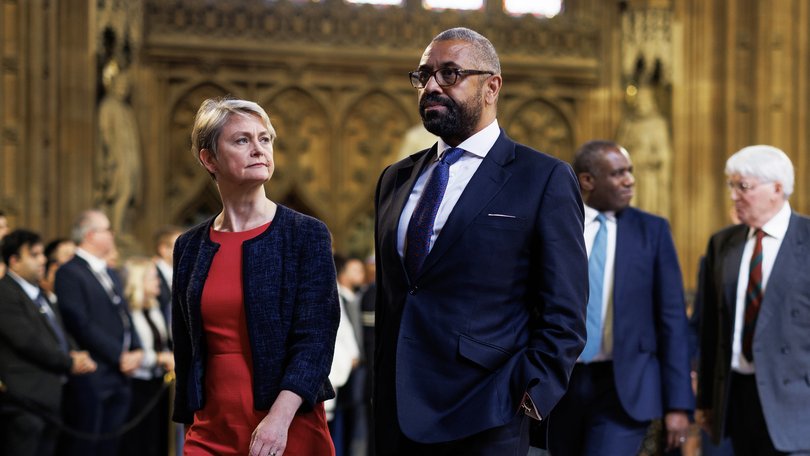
x=391, y=210
x=732, y=258
x=484, y=185
x=792, y=254
x=626, y=234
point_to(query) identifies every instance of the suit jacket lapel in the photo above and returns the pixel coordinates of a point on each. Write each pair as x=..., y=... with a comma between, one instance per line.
x=792, y=254
x=484, y=185
x=732, y=259
x=391, y=211
x=626, y=234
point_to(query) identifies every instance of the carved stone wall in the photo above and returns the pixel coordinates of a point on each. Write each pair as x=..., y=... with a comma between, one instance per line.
x=333, y=78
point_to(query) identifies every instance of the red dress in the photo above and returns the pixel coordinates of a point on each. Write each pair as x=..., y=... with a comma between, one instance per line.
x=225, y=423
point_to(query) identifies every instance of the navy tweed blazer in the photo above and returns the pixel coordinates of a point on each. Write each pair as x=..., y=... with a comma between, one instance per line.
x=291, y=304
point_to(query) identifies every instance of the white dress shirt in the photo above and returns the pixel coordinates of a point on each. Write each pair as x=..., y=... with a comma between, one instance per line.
x=591, y=227
x=775, y=230
x=475, y=148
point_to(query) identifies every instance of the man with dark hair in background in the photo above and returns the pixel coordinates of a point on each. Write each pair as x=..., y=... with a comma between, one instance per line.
x=36, y=354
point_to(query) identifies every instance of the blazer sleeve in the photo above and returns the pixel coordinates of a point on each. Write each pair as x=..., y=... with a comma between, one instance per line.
x=672, y=325
x=316, y=314
x=23, y=334
x=182, y=341
x=561, y=294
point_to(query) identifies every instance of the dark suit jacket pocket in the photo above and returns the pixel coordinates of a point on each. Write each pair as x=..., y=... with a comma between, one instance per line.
x=484, y=354
x=501, y=221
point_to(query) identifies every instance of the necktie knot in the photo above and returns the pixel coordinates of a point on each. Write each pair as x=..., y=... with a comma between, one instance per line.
x=600, y=217
x=452, y=155
x=759, y=234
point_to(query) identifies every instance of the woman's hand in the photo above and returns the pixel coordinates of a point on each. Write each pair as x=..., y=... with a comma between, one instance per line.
x=270, y=436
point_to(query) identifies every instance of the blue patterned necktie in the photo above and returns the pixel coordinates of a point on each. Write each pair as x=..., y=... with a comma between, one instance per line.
x=596, y=278
x=50, y=317
x=420, y=228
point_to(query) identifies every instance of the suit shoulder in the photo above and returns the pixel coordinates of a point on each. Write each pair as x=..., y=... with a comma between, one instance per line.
x=299, y=220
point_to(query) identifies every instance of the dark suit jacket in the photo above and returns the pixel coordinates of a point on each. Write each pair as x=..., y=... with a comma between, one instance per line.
x=292, y=311
x=498, y=309
x=95, y=323
x=780, y=338
x=32, y=364
x=650, y=329
x=165, y=298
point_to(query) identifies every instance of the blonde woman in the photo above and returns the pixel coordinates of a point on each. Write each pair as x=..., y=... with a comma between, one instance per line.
x=141, y=289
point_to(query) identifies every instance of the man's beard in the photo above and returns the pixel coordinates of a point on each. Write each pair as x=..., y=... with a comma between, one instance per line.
x=457, y=123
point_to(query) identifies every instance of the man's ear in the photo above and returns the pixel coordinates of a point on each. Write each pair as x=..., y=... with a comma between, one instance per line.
x=585, y=181
x=208, y=160
x=492, y=88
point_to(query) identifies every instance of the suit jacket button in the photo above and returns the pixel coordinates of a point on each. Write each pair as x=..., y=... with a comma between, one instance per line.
x=413, y=290
x=785, y=349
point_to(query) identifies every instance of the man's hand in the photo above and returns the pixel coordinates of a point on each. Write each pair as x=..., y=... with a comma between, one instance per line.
x=677, y=426
x=130, y=360
x=82, y=363
x=166, y=360
x=270, y=436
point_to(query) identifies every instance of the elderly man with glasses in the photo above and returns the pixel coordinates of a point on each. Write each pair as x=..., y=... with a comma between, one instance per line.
x=481, y=271
x=754, y=377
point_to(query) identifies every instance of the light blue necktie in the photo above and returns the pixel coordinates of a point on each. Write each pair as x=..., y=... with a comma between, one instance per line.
x=420, y=228
x=596, y=278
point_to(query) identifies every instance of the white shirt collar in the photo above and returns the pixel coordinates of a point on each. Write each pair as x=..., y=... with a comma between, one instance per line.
x=165, y=268
x=591, y=213
x=98, y=264
x=777, y=226
x=30, y=289
x=478, y=144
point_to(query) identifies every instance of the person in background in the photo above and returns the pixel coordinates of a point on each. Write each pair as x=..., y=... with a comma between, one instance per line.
x=635, y=366
x=141, y=289
x=96, y=314
x=164, y=247
x=481, y=266
x=57, y=252
x=36, y=353
x=346, y=373
x=754, y=368
x=3, y=232
x=255, y=304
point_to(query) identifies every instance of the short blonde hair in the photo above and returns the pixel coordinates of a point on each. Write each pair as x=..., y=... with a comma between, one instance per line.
x=135, y=271
x=212, y=117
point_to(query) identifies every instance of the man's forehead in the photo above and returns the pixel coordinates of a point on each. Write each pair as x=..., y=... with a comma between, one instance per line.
x=443, y=53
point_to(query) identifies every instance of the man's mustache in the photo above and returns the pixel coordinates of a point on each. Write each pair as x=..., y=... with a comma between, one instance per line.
x=435, y=98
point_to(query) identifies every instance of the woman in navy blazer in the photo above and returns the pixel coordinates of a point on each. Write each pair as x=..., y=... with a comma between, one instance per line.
x=260, y=277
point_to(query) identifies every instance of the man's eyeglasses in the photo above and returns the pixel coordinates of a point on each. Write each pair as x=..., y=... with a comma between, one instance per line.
x=445, y=77
x=742, y=187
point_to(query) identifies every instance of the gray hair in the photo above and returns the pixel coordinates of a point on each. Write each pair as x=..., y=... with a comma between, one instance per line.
x=212, y=117
x=766, y=163
x=83, y=225
x=483, y=50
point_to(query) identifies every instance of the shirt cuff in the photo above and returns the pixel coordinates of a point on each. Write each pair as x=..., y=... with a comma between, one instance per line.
x=527, y=405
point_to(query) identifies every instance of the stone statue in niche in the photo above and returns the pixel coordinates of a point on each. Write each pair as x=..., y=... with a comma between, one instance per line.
x=119, y=163
x=645, y=133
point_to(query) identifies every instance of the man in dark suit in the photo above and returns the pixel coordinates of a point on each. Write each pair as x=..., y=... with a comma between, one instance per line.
x=754, y=372
x=635, y=366
x=481, y=271
x=96, y=315
x=164, y=248
x=35, y=353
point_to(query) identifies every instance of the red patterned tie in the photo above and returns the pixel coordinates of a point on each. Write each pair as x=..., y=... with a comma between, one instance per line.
x=753, y=297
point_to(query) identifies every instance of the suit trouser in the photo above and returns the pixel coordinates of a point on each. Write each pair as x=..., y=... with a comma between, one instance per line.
x=94, y=409
x=745, y=423
x=590, y=420
x=25, y=434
